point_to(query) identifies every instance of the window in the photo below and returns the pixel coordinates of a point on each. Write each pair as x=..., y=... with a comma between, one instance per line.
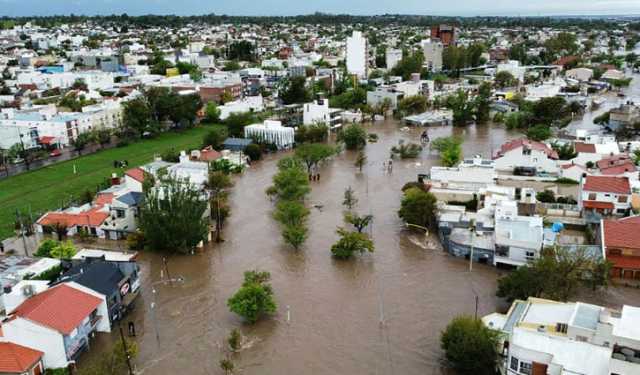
x=621, y=211
x=622, y=199
x=582, y=338
x=561, y=327
x=525, y=368
x=530, y=255
x=514, y=363
x=592, y=196
x=119, y=213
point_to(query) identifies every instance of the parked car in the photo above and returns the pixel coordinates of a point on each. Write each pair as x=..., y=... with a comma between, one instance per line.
x=525, y=171
x=55, y=153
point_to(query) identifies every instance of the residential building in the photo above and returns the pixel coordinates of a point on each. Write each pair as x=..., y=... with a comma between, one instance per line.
x=526, y=153
x=271, y=132
x=445, y=33
x=318, y=111
x=58, y=322
x=14, y=269
x=357, y=55
x=620, y=240
x=20, y=360
x=432, y=50
x=392, y=57
x=380, y=94
x=518, y=239
x=542, y=337
x=605, y=195
x=580, y=74
x=244, y=105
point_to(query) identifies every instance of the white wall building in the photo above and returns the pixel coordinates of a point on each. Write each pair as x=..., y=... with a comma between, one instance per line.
x=432, y=50
x=271, y=132
x=393, y=57
x=357, y=54
x=526, y=153
x=318, y=111
x=246, y=104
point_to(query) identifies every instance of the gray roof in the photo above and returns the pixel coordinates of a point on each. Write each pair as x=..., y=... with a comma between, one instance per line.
x=132, y=198
x=515, y=316
x=587, y=316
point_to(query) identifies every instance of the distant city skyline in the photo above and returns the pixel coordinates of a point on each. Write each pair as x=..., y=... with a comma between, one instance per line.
x=14, y=8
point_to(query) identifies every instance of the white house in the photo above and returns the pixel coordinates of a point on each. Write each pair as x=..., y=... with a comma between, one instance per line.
x=272, y=132
x=432, y=50
x=518, y=239
x=526, y=153
x=548, y=337
x=318, y=111
x=246, y=104
x=357, y=54
x=392, y=57
x=608, y=195
x=58, y=322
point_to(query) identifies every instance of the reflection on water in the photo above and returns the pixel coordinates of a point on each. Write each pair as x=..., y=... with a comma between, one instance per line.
x=376, y=314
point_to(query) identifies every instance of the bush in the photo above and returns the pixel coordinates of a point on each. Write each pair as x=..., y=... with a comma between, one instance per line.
x=135, y=241
x=539, y=132
x=546, y=196
x=44, y=250
x=354, y=137
x=253, y=151
x=170, y=155
x=566, y=181
x=315, y=133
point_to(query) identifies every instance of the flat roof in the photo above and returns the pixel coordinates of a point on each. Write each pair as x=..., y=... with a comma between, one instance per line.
x=110, y=256
x=629, y=323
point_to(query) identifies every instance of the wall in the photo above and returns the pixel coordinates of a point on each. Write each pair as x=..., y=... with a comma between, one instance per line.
x=50, y=342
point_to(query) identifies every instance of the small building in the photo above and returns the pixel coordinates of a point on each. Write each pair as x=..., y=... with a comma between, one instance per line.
x=58, y=322
x=518, y=239
x=620, y=239
x=319, y=112
x=580, y=74
x=526, y=153
x=605, y=195
x=20, y=360
x=441, y=117
x=271, y=132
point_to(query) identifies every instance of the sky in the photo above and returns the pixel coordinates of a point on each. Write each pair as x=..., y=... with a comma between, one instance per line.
x=294, y=7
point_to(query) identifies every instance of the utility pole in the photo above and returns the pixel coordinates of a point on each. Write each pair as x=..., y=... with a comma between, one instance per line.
x=126, y=349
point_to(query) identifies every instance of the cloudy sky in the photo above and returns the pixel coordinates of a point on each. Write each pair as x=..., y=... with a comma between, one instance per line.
x=293, y=7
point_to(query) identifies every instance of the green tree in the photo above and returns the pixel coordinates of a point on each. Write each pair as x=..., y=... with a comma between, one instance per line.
x=409, y=64
x=350, y=199
x=418, y=207
x=81, y=141
x=353, y=136
x=227, y=365
x=294, y=90
x=504, y=79
x=546, y=196
x=291, y=184
x=412, y=104
x=63, y=250
x=101, y=136
x=463, y=108
x=254, y=298
x=212, y=113
x=253, y=151
x=295, y=235
x=358, y=222
x=470, y=347
x=44, y=250
x=539, y=132
x=314, y=153
x=350, y=243
x=136, y=117
x=315, y=133
x=546, y=110
x=483, y=103
x=215, y=138
x=406, y=150
x=172, y=217
x=450, y=149
x=234, y=340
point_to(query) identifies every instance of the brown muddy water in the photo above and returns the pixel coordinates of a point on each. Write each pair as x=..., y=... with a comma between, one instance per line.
x=380, y=313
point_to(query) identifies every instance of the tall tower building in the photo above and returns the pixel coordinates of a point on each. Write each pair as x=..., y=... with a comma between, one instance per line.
x=357, y=54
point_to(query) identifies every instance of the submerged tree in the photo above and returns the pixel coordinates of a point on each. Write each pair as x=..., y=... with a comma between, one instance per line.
x=350, y=243
x=254, y=298
x=470, y=346
x=350, y=199
x=173, y=216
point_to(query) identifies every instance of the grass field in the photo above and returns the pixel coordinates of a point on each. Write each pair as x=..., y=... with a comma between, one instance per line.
x=46, y=188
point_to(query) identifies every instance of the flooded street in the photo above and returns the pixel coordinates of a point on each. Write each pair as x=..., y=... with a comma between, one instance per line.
x=379, y=313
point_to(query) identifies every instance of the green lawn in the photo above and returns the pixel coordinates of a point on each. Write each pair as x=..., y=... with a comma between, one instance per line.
x=44, y=189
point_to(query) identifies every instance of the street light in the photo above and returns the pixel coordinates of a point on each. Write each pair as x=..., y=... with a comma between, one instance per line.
x=178, y=279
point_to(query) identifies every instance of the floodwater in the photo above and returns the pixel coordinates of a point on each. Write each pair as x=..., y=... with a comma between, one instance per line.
x=379, y=313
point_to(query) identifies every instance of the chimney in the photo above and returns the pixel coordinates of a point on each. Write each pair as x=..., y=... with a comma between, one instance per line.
x=115, y=180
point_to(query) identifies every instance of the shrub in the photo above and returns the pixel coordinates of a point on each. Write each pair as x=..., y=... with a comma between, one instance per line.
x=253, y=151
x=44, y=250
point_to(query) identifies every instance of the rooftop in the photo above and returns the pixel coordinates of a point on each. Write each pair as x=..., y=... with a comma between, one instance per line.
x=16, y=358
x=607, y=184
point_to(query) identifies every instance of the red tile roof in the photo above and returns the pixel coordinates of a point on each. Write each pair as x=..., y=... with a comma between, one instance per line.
x=209, y=154
x=104, y=198
x=622, y=233
x=524, y=142
x=136, y=173
x=16, y=358
x=92, y=218
x=598, y=205
x=607, y=184
x=62, y=308
x=619, y=169
x=613, y=161
x=588, y=148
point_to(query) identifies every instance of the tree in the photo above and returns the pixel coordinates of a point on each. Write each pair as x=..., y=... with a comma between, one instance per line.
x=291, y=213
x=418, y=207
x=172, y=217
x=136, y=117
x=361, y=160
x=412, y=104
x=227, y=365
x=215, y=138
x=314, y=153
x=353, y=136
x=242, y=50
x=254, y=298
x=350, y=243
x=546, y=110
x=350, y=199
x=102, y=137
x=170, y=155
x=295, y=235
x=45, y=248
x=483, y=103
x=556, y=275
x=539, y=132
x=546, y=196
x=406, y=150
x=504, y=79
x=212, y=113
x=470, y=346
x=253, y=151
x=237, y=121
x=409, y=64
x=294, y=90
x=234, y=340
x=218, y=183
x=450, y=149
x=359, y=222
x=63, y=250
x=462, y=107
x=315, y=133
x=81, y=141
x=291, y=183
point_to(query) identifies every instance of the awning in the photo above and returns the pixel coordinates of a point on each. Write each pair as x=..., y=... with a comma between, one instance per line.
x=625, y=262
x=598, y=205
x=47, y=140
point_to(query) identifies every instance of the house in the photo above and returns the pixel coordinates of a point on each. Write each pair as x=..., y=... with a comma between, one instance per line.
x=572, y=171
x=382, y=94
x=542, y=337
x=580, y=74
x=613, y=75
x=107, y=278
x=620, y=240
x=58, y=322
x=194, y=172
x=624, y=115
x=526, y=153
x=271, y=132
x=618, y=165
x=518, y=239
x=14, y=269
x=605, y=195
x=319, y=112
x=20, y=360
